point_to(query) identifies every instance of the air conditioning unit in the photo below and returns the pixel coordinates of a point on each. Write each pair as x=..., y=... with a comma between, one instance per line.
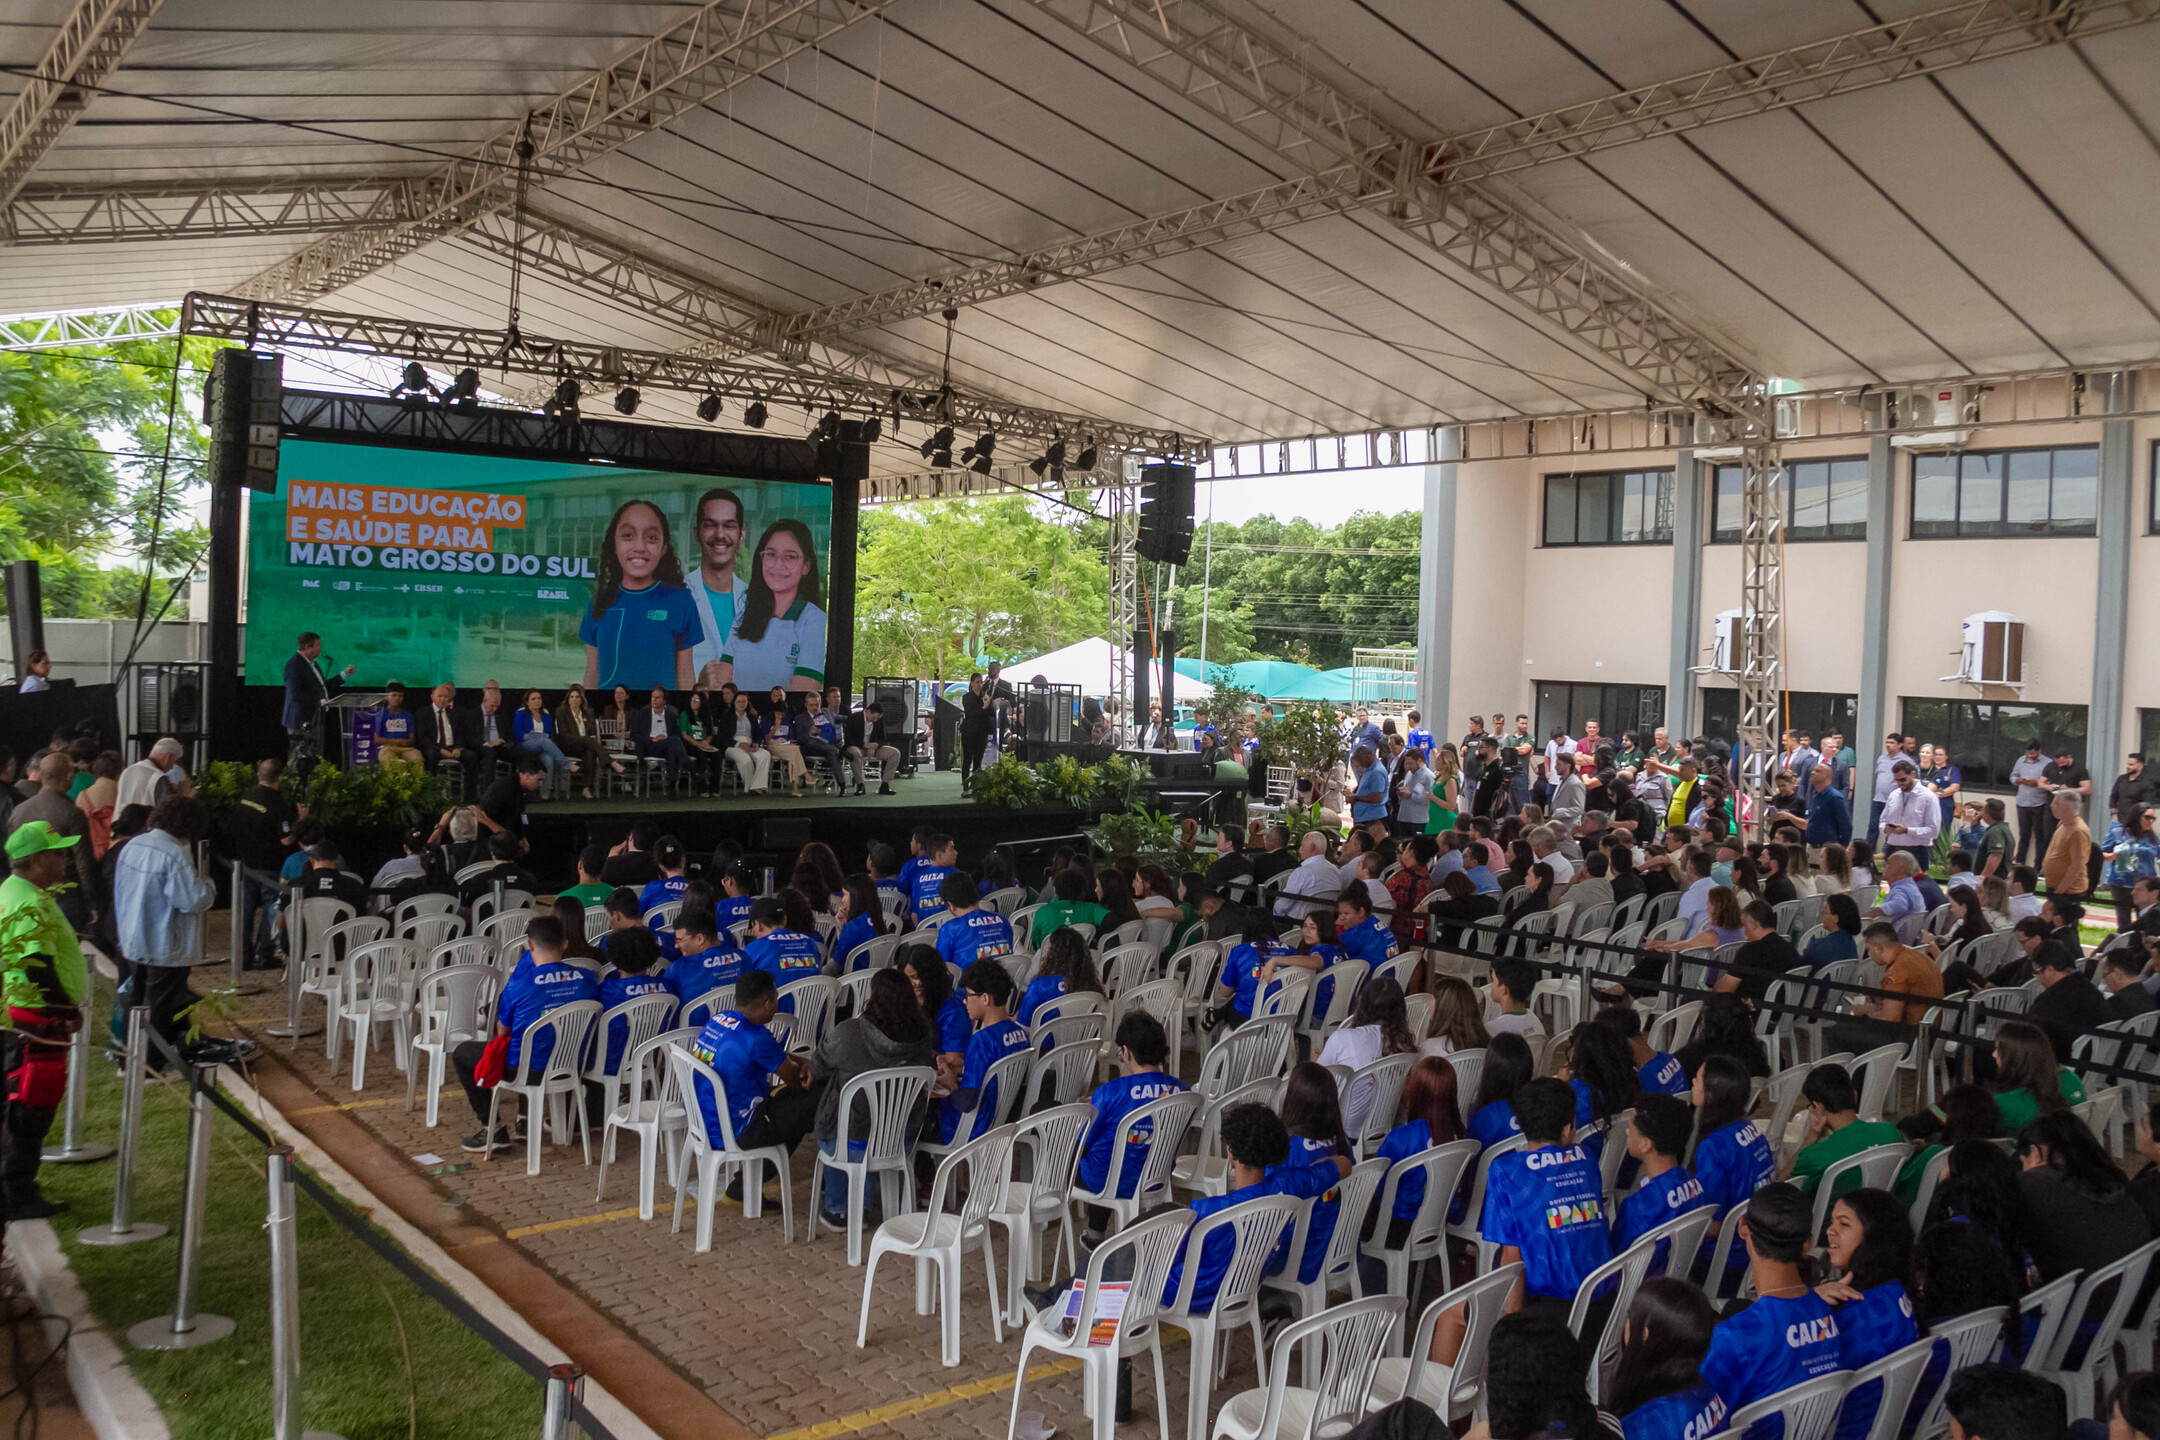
x=1993, y=650
x=1949, y=405
x=1788, y=418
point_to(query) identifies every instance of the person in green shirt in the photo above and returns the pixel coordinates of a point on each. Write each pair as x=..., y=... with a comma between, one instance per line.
x=589, y=891
x=1075, y=904
x=1998, y=847
x=46, y=983
x=1835, y=1129
x=2028, y=1081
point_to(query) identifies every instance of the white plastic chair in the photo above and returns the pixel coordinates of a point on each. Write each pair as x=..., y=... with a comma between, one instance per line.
x=2047, y=1306
x=1625, y=1272
x=700, y=1008
x=430, y=932
x=715, y=1154
x=1453, y=1391
x=1255, y=1227
x=650, y=1109
x=1469, y=1070
x=1317, y=1019
x=1878, y=1166
x=596, y=922
x=455, y=1004
x=1051, y=1138
x=1675, y=1027
x=1167, y=1120
x=1164, y=1000
x=1258, y=1049
x=1971, y=1339
x=556, y=1094
x=941, y=1240
x=1144, y=1252
x=873, y=954
x=504, y=927
x=1810, y=1408
x=1889, y=1384
x=1339, y=1262
x=1205, y=1169
x=811, y=1001
x=1873, y=1075
x=378, y=987
x=417, y=907
x=1442, y=1166
x=1350, y=1338
x=2095, y=1373
x=891, y=1096
x=642, y=1018
x=1473, y=1216
x=322, y=969
x=470, y=950
x=1930, y=1177
x=1128, y=966
x=1006, y=1083
x=1382, y=1085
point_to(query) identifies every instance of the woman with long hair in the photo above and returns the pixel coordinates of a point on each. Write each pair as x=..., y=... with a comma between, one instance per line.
x=1980, y=1188
x=1116, y=897
x=1871, y=1241
x=1723, y=927
x=1520, y=861
x=577, y=732
x=641, y=624
x=1995, y=902
x=1458, y=1019
x=534, y=731
x=620, y=709
x=779, y=636
x=1603, y=1071
x=1431, y=1111
x=1864, y=876
x=1536, y=1383
x=941, y=1005
x=2079, y=1198
x=1658, y=1389
x=701, y=742
x=1965, y=1112
x=1312, y=1113
x=892, y=1031
x=1972, y=921
x=1836, y=876
x=572, y=915
x=861, y=914
x=1446, y=790
x=1732, y=1156
x=1959, y=1268
x=1379, y=1025
x=1508, y=1067
x=2029, y=1080
x=1063, y=967
x=820, y=857
x=1536, y=897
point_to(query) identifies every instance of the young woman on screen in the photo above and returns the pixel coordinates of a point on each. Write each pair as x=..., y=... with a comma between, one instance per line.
x=642, y=624
x=779, y=637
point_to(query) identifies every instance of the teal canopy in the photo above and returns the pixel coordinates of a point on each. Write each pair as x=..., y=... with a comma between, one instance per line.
x=1274, y=679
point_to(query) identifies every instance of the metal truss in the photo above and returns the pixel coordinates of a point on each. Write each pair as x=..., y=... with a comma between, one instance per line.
x=91, y=41
x=1762, y=608
x=720, y=46
x=61, y=328
x=454, y=347
x=79, y=214
x=1121, y=506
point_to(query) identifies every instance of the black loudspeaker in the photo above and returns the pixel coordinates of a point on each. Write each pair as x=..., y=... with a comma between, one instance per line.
x=26, y=610
x=242, y=406
x=1167, y=493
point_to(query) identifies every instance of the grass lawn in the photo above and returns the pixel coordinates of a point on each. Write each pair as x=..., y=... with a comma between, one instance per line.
x=379, y=1360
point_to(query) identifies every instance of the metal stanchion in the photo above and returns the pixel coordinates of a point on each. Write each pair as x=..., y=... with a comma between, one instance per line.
x=294, y=1027
x=565, y=1387
x=284, y=1227
x=239, y=982
x=124, y=1230
x=184, y=1329
x=74, y=1150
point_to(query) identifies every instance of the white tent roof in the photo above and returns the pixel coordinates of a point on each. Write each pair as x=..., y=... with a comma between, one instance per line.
x=1086, y=664
x=1988, y=216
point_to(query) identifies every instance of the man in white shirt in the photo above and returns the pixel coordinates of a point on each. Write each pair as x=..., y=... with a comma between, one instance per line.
x=153, y=777
x=1353, y=851
x=2023, y=901
x=1911, y=816
x=1314, y=877
x=1545, y=846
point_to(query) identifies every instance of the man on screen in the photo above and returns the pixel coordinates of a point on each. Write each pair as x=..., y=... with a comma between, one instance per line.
x=717, y=591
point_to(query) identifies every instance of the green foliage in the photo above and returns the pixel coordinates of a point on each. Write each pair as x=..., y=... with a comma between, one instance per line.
x=400, y=795
x=1299, y=591
x=1117, y=784
x=1070, y=780
x=1010, y=784
x=1229, y=707
x=219, y=786
x=1149, y=835
x=1307, y=734
x=1301, y=819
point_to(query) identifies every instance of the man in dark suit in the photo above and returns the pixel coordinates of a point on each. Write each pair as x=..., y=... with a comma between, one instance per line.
x=306, y=688
x=657, y=731
x=444, y=738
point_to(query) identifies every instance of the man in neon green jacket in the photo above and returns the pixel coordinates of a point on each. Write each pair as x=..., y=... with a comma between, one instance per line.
x=46, y=983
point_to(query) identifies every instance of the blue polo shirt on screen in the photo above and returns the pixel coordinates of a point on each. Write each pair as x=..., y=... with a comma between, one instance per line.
x=529, y=996
x=639, y=635
x=1549, y=1203
x=1113, y=1102
x=786, y=955
x=693, y=975
x=1691, y=1414
x=980, y=934
x=745, y=1057
x=1661, y=1198
x=985, y=1048
x=1661, y=1074
x=1879, y=1323
x=923, y=889
x=1773, y=1345
x=619, y=989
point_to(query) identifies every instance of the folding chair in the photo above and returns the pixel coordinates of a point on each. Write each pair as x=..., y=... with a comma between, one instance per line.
x=1350, y=1337
x=1810, y=1408
x=555, y=1095
x=1456, y=1391
x=890, y=1097
x=1142, y=1254
x=1255, y=1228
x=720, y=1153
x=940, y=1239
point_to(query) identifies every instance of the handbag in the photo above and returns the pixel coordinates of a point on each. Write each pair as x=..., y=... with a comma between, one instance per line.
x=488, y=1073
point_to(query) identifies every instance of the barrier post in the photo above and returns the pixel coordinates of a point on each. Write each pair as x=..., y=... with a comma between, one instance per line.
x=565, y=1391
x=124, y=1230
x=283, y=1223
x=184, y=1329
x=74, y=1150
x=239, y=982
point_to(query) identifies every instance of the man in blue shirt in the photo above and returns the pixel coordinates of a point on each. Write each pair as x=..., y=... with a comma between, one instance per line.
x=1656, y=1139
x=734, y=905
x=1368, y=802
x=1359, y=931
x=1419, y=739
x=1829, y=809
x=987, y=991
x=919, y=843
x=1545, y=1203
x=749, y=1062
x=550, y=983
x=635, y=953
x=1143, y=1047
x=925, y=889
x=786, y=955
x=1789, y=1333
x=1258, y=1149
x=1901, y=897
x=706, y=961
x=972, y=931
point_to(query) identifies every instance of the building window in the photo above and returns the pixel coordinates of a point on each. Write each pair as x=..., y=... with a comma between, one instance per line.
x=1562, y=705
x=1996, y=493
x=1620, y=507
x=1823, y=499
x=1818, y=712
x=2149, y=735
x=1986, y=737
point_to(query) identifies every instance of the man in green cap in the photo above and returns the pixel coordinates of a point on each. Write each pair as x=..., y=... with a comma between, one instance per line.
x=46, y=984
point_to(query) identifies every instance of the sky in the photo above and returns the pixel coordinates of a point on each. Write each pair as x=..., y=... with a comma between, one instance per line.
x=1324, y=499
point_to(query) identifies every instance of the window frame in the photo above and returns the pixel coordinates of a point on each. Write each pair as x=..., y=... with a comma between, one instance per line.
x=1615, y=506
x=2002, y=745
x=1611, y=697
x=2002, y=528
x=1720, y=536
x=1807, y=703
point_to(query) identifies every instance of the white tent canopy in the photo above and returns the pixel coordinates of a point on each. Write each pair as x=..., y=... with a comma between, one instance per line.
x=1087, y=665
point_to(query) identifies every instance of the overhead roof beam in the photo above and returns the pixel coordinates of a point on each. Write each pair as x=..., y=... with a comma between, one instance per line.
x=88, y=48
x=202, y=210
x=720, y=46
x=59, y=329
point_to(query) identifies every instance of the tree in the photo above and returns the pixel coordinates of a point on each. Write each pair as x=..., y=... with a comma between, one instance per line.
x=1309, y=593
x=81, y=434
x=941, y=586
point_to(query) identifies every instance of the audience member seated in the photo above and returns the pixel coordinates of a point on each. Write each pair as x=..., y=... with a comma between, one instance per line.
x=971, y=931
x=1835, y=1130
x=503, y=869
x=891, y=1031
x=1142, y=1048
x=1788, y=1333
x=1658, y=1388
x=987, y=992
x=771, y=1100
x=630, y=862
x=528, y=996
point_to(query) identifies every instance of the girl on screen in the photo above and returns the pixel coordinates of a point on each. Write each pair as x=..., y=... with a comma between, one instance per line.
x=642, y=623
x=779, y=636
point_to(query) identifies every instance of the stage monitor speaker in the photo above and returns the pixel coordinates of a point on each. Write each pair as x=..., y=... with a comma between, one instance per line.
x=1167, y=494
x=243, y=406
x=26, y=610
x=783, y=834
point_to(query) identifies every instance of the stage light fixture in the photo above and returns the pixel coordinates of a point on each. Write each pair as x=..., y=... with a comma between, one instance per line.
x=464, y=389
x=564, y=402
x=708, y=409
x=939, y=444
x=828, y=426
x=1039, y=464
x=977, y=456
x=753, y=415
x=626, y=400
x=1087, y=457
x=873, y=429
x=415, y=384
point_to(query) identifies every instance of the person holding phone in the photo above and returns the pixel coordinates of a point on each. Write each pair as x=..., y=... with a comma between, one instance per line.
x=642, y=625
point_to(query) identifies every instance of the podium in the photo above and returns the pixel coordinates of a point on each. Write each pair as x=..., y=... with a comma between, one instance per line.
x=353, y=713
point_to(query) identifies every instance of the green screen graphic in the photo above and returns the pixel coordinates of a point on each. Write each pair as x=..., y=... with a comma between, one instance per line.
x=421, y=567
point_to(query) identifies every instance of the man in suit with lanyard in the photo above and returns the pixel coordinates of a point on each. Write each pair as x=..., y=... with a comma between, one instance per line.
x=306, y=689
x=718, y=592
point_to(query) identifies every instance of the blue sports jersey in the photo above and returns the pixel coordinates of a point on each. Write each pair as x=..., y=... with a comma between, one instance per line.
x=1689, y=1415
x=1368, y=940
x=1401, y=1143
x=1241, y=971
x=785, y=955
x=1661, y=1074
x=1317, y=1156
x=978, y=935
x=1494, y=1123
x=1323, y=983
x=1040, y=991
x=1113, y=1102
x=1879, y=1323
x=528, y=996
x=745, y=1057
x=693, y=975
x=1216, y=1252
x=954, y=1028
x=989, y=1045
x=1549, y=1203
x=1733, y=1164
x=1661, y=1198
x=906, y=878
x=1772, y=1345
x=615, y=990
x=1592, y=1141
x=661, y=891
x=733, y=910
x=1419, y=739
x=639, y=635
x=857, y=931
x=923, y=891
